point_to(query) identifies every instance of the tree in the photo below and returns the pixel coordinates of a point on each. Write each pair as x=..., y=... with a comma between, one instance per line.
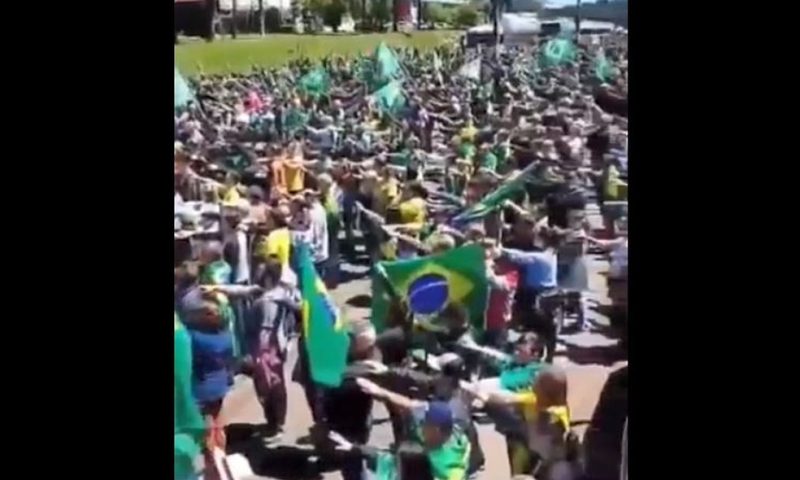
x=436, y=13
x=381, y=12
x=467, y=16
x=332, y=14
x=272, y=19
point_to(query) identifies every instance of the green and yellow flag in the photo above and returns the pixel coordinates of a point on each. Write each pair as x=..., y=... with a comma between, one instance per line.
x=189, y=423
x=326, y=337
x=428, y=284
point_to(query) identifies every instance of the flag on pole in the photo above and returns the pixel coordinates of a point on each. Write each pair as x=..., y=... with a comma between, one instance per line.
x=315, y=83
x=390, y=98
x=429, y=284
x=387, y=65
x=603, y=70
x=183, y=93
x=495, y=199
x=557, y=52
x=326, y=338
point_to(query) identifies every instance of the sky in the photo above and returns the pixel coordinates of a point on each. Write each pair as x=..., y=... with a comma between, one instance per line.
x=563, y=3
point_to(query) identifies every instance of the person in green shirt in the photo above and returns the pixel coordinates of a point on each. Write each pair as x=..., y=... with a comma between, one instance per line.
x=486, y=158
x=518, y=372
x=190, y=427
x=446, y=446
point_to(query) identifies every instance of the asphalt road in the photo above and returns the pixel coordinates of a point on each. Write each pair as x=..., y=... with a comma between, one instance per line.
x=588, y=358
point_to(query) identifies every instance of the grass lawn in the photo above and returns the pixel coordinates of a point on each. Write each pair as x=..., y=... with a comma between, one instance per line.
x=224, y=55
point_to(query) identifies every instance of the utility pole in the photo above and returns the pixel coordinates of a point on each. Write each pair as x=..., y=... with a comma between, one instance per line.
x=578, y=20
x=261, y=27
x=234, y=12
x=495, y=20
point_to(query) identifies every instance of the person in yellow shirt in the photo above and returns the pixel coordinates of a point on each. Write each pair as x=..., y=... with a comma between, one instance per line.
x=385, y=191
x=413, y=206
x=546, y=430
x=294, y=170
x=278, y=241
x=230, y=191
x=278, y=172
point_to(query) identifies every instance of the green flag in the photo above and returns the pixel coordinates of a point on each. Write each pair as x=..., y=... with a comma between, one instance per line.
x=390, y=98
x=326, y=337
x=183, y=94
x=494, y=200
x=428, y=284
x=387, y=66
x=557, y=52
x=603, y=70
x=189, y=423
x=315, y=83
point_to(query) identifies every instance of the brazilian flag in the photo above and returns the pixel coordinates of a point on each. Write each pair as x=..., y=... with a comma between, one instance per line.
x=326, y=337
x=427, y=285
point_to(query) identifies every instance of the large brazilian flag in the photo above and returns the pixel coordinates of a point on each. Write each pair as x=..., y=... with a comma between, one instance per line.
x=326, y=338
x=427, y=285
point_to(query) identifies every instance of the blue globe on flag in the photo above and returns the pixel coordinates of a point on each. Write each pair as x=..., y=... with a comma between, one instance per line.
x=428, y=294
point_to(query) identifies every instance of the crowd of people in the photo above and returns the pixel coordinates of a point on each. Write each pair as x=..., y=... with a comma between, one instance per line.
x=264, y=167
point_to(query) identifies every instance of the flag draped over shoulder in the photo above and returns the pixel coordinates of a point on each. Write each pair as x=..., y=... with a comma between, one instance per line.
x=189, y=423
x=557, y=52
x=315, y=83
x=183, y=93
x=390, y=98
x=428, y=284
x=326, y=338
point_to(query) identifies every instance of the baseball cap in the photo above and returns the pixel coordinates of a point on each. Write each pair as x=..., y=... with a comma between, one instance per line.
x=440, y=415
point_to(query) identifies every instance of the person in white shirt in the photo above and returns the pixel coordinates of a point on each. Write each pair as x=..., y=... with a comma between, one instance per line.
x=318, y=231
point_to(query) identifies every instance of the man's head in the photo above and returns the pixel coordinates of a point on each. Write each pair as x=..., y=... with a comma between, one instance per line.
x=437, y=425
x=364, y=338
x=443, y=243
x=273, y=269
x=550, y=387
x=528, y=348
x=186, y=274
x=210, y=252
x=255, y=195
x=325, y=183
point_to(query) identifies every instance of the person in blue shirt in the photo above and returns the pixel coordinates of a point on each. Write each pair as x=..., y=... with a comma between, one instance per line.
x=538, y=275
x=212, y=362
